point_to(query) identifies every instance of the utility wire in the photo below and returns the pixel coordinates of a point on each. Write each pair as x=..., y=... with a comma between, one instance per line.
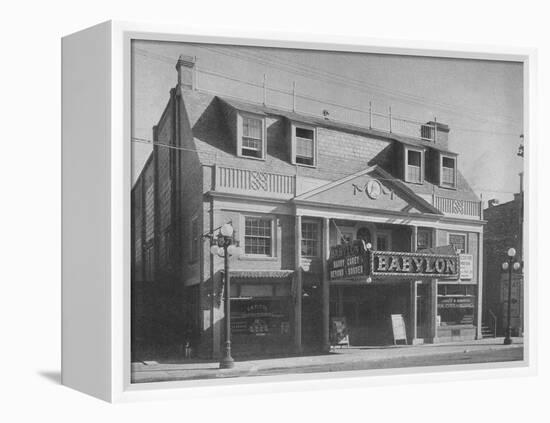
x=354, y=83
x=203, y=70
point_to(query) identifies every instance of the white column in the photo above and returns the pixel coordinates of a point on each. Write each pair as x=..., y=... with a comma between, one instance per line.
x=413, y=292
x=432, y=312
x=414, y=312
x=326, y=283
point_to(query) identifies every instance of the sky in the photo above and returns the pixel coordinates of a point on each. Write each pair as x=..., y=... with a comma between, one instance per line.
x=481, y=101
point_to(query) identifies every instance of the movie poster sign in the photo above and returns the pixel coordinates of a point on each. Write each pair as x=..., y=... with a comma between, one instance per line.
x=413, y=265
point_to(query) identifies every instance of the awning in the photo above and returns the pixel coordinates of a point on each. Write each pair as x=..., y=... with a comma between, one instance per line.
x=257, y=274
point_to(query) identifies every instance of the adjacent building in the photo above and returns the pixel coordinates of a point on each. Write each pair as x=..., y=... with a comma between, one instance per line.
x=504, y=230
x=295, y=187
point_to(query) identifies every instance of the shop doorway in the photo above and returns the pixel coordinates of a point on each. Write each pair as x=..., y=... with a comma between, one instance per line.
x=312, y=321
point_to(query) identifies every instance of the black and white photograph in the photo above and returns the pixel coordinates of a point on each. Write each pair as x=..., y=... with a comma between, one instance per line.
x=312, y=211
x=291, y=212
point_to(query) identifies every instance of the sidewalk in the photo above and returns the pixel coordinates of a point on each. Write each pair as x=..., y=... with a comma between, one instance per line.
x=337, y=359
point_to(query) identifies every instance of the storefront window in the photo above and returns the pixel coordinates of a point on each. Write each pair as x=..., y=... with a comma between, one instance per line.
x=260, y=317
x=456, y=304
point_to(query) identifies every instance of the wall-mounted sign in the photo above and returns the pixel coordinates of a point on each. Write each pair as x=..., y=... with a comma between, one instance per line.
x=348, y=260
x=466, y=266
x=392, y=263
x=455, y=302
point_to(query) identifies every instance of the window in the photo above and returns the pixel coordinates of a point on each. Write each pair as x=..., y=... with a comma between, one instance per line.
x=303, y=146
x=310, y=239
x=252, y=137
x=448, y=171
x=345, y=236
x=364, y=234
x=383, y=241
x=258, y=236
x=414, y=166
x=458, y=241
x=195, y=240
x=423, y=239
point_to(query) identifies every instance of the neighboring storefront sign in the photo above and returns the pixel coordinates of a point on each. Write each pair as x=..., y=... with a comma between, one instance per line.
x=348, y=261
x=455, y=302
x=466, y=266
x=392, y=263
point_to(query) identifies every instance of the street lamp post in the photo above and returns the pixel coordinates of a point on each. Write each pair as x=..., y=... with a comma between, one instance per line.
x=509, y=265
x=224, y=247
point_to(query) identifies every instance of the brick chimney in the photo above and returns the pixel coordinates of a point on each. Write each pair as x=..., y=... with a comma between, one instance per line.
x=442, y=133
x=186, y=72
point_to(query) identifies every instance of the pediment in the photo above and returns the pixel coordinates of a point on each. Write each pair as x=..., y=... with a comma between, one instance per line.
x=372, y=188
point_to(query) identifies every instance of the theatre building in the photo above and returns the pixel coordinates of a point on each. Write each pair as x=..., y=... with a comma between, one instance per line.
x=337, y=225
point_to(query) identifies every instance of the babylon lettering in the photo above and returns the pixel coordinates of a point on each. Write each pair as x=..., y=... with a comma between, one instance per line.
x=413, y=264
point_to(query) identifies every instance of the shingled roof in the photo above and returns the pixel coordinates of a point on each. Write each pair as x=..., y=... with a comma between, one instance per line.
x=207, y=118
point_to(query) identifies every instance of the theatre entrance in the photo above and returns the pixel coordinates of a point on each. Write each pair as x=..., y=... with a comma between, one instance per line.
x=368, y=308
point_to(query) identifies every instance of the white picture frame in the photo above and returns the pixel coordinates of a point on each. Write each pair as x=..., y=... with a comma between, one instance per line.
x=96, y=230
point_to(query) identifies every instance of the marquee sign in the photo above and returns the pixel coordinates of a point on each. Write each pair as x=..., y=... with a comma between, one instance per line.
x=412, y=265
x=354, y=260
x=348, y=261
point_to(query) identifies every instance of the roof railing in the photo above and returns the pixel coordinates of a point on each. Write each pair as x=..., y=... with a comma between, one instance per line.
x=292, y=101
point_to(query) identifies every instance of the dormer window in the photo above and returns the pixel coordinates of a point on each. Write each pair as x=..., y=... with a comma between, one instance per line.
x=448, y=171
x=414, y=165
x=251, y=136
x=304, y=148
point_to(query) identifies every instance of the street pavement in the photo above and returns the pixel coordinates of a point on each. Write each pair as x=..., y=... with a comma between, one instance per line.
x=340, y=359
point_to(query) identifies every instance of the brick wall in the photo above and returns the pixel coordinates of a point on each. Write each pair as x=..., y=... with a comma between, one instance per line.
x=137, y=230
x=501, y=233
